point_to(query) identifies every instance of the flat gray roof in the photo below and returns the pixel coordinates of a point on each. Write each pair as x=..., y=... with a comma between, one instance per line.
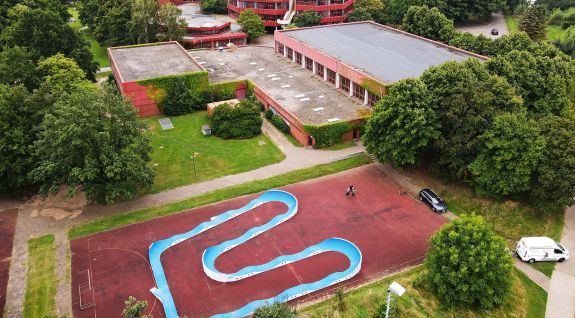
x=383, y=53
x=192, y=13
x=150, y=61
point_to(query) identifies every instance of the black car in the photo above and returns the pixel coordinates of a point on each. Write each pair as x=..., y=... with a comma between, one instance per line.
x=432, y=200
x=494, y=32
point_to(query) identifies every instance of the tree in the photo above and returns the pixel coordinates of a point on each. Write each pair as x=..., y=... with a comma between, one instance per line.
x=468, y=264
x=134, y=308
x=359, y=14
x=466, y=98
x=144, y=26
x=276, y=310
x=511, y=151
x=180, y=100
x=17, y=67
x=534, y=21
x=307, y=19
x=477, y=44
x=542, y=76
x=515, y=41
x=251, y=24
x=44, y=33
x=554, y=181
x=215, y=6
x=429, y=23
x=239, y=122
x=173, y=26
x=94, y=141
x=402, y=124
x=111, y=21
x=395, y=10
x=61, y=75
x=567, y=42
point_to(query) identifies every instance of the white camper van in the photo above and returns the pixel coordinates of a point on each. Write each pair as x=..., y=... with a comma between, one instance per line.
x=531, y=249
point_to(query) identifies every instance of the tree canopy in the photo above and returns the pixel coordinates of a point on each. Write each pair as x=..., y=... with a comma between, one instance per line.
x=251, y=24
x=307, y=19
x=533, y=21
x=429, y=23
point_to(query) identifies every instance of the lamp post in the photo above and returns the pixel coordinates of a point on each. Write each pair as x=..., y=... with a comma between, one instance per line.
x=194, y=161
x=395, y=288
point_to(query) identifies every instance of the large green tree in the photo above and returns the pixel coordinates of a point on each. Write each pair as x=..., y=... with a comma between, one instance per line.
x=459, y=10
x=144, y=24
x=17, y=67
x=307, y=19
x=364, y=10
x=112, y=21
x=174, y=27
x=402, y=123
x=215, y=6
x=554, y=180
x=45, y=33
x=429, y=23
x=468, y=265
x=239, y=122
x=512, y=149
x=251, y=24
x=533, y=22
x=93, y=140
x=466, y=98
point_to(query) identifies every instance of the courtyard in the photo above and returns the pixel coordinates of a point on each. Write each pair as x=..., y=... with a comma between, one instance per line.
x=390, y=229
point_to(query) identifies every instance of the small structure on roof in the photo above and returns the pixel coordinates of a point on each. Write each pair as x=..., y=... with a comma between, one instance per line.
x=212, y=106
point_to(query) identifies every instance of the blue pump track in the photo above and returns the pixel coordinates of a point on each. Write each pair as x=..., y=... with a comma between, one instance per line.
x=162, y=289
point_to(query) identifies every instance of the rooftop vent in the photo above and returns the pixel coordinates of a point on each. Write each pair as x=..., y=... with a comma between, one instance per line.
x=331, y=120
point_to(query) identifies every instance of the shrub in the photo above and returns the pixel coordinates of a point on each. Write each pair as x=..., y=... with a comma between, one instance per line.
x=328, y=134
x=215, y=6
x=280, y=124
x=181, y=100
x=277, y=310
x=269, y=114
x=307, y=19
x=240, y=122
x=468, y=264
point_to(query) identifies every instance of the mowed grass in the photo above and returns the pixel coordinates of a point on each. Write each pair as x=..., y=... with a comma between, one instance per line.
x=218, y=195
x=527, y=300
x=512, y=25
x=216, y=157
x=100, y=53
x=552, y=32
x=41, y=277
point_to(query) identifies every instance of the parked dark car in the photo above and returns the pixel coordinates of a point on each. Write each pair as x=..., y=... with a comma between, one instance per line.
x=430, y=198
x=494, y=32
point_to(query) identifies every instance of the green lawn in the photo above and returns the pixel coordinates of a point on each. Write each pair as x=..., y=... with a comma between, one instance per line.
x=218, y=195
x=100, y=53
x=41, y=277
x=340, y=146
x=527, y=300
x=554, y=32
x=216, y=157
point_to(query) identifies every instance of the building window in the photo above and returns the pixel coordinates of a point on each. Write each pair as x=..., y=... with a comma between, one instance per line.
x=358, y=91
x=280, y=48
x=309, y=64
x=319, y=70
x=289, y=53
x=298, y=58
x=330, y=76
x=372, y=99
x=344, y=84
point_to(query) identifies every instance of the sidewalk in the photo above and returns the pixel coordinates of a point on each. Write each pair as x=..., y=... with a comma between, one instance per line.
x=561, y=297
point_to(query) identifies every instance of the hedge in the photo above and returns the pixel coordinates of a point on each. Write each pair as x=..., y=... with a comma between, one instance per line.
x=329, y=134
x=280, y=123
x=158, y=87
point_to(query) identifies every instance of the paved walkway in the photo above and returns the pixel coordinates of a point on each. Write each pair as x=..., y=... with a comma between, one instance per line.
x=413, y=189
x=561, y=298
x=28, y=226
x=497, y=22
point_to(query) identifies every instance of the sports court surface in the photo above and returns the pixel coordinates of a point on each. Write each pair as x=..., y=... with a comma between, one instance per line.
x=390, y=229
x=7, y=228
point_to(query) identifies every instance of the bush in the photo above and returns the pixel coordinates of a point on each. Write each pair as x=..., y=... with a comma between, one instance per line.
x=307, y=19
x=240, y=122
x=181, y=100
x=277, y=310
x=328, y=134
x=280, y=124
x=215, y=6
x=468, y=264
x=269, y=114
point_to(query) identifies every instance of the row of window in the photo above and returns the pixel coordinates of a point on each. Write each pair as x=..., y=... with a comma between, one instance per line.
x=345, y=84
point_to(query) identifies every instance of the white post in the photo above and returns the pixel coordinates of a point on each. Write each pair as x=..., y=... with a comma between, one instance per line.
x=365, y=97
x=388, y=301
x=302, y=61
x=285, y=51
x=314, y=67
x=350, y=88
x=325, y=74
x=336, y=80
x=293, y=53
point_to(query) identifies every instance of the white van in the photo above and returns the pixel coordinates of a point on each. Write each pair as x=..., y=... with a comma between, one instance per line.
x=531, y=249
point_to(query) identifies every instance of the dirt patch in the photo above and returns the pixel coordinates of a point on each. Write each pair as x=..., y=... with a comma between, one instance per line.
x=56, y=206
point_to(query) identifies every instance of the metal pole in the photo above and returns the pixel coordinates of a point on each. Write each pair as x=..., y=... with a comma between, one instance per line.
x=194, y=160
x=388, y=303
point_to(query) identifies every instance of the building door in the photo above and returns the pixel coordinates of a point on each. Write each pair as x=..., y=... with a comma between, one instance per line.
x=241, y=93
x=309, y=140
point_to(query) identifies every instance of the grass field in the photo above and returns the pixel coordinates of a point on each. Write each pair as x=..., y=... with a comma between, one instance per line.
x=553, y=32
x=218, y=195
x=216, y=157
x=527, y=300
x=100, y=53
x=41, y=280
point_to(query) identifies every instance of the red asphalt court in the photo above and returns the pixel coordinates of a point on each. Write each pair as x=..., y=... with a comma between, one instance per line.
x=7, y=227
x=391, y=231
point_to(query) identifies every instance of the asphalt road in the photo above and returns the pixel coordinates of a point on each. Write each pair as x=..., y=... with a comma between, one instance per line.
x=497, y=22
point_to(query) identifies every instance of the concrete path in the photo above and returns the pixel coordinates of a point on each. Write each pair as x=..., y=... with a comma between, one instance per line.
x=413, y=189
x=104, y=69
x=296, y=158
x=561, y=298
x=497, y=22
